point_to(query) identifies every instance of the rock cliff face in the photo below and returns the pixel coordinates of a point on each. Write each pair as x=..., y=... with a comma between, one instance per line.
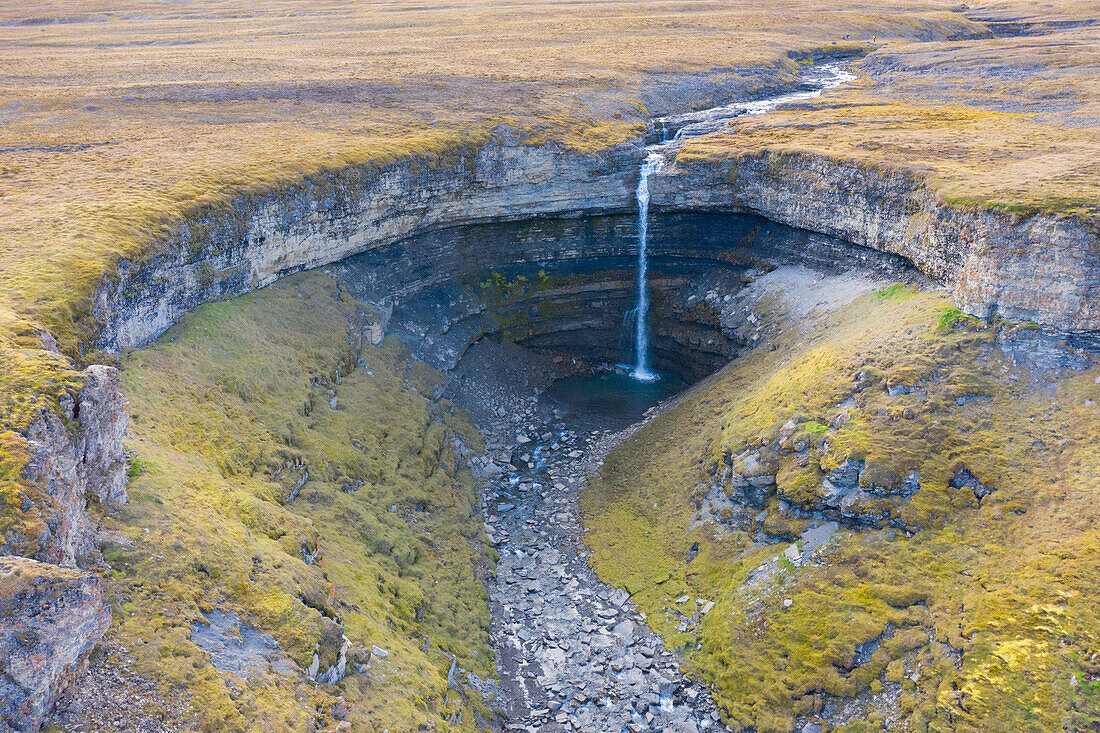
x=330, y=217
x=76, y=455
x=569, y=285
x=50, y=618
x=51, y=612
x=1044, y=268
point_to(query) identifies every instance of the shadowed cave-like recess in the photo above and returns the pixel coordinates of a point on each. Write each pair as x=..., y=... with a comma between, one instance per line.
x=568, y=286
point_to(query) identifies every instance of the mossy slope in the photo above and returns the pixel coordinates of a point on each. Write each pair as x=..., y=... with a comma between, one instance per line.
x=988, y=608
x=229, y=411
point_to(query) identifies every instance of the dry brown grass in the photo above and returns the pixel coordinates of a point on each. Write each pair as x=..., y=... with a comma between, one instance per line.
x=117, y=119
x=1008, y=122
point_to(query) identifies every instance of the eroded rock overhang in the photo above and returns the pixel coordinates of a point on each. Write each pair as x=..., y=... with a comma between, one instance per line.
x=1042, y=267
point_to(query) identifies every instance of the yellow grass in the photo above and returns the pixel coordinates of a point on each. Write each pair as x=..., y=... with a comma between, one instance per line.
x=118, y=118
x=1013, y=123
x=1006, y=582
x=116, y=121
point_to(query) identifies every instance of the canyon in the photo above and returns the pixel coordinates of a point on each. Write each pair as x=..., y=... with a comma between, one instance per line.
x=1039, y=267
x=528, y=243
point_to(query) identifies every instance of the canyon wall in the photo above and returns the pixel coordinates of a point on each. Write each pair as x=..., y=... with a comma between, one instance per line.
x=324, y=219
x=405, y=216
x=1042, y=267
x=408, y=224
x=569, y=285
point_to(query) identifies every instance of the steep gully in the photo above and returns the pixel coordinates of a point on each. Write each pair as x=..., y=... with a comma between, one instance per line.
x=545, y=207
x=572, y=652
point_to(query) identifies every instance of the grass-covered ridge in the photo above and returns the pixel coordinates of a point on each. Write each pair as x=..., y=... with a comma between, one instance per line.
x=118, y=123
x=990, y=617
x=1007, y=123
x=229, y=412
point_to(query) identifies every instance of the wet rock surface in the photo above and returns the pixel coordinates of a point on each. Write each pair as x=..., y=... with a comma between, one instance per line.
x=573, y=652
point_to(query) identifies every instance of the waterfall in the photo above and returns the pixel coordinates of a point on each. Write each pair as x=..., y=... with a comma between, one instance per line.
x=641, y=370
x=685, y=127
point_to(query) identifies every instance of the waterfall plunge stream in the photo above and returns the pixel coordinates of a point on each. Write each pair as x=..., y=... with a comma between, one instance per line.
x=558, y=664
x=641, y=370
x=695, y=124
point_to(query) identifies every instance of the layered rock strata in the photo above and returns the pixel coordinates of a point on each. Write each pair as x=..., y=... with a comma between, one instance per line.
x=569, y=286
x=1040, y=267
x=76, y=455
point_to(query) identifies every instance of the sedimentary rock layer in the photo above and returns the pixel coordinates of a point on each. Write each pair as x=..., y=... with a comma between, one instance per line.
x=76, y=455
x=1040, y=267
x=569, y=285
x=51, y=612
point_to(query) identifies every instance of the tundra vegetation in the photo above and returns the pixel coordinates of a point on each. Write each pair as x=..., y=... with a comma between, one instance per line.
x=121, y=121
x=959, y=612
x=245, y=404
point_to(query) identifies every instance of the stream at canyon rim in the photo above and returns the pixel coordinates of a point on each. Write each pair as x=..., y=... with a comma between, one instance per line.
x=684, y=127
x=574, y=653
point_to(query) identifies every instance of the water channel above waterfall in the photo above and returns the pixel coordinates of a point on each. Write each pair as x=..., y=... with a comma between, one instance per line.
x=550, y=331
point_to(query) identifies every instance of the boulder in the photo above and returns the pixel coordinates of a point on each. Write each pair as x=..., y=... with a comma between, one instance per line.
x=50, y=619
x=964, y=479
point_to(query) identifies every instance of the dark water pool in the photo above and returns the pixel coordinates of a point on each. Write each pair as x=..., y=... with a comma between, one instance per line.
x=611, y=400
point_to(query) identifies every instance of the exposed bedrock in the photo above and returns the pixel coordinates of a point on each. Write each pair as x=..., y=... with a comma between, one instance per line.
x=52, y=612
x=444, y=242
x=74, y=457
x=1041, y=267
x=569, y=286
x=50, y=618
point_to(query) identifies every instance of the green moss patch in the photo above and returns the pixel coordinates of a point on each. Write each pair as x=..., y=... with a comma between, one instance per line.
x=245, y=404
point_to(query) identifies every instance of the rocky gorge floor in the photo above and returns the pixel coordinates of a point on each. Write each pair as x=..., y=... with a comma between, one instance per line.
x=573, y=653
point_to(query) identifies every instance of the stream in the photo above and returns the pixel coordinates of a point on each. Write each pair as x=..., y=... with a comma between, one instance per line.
x=684, y=127
x=574, y=653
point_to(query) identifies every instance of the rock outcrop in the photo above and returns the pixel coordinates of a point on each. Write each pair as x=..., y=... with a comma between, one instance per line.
x=1040, y=267
x=77, y=455
x=569, y=286
x=50, y=618
x=52, y=613
x=254, y=241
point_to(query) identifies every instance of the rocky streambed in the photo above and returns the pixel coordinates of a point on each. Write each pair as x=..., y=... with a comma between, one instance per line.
x=573, y=653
